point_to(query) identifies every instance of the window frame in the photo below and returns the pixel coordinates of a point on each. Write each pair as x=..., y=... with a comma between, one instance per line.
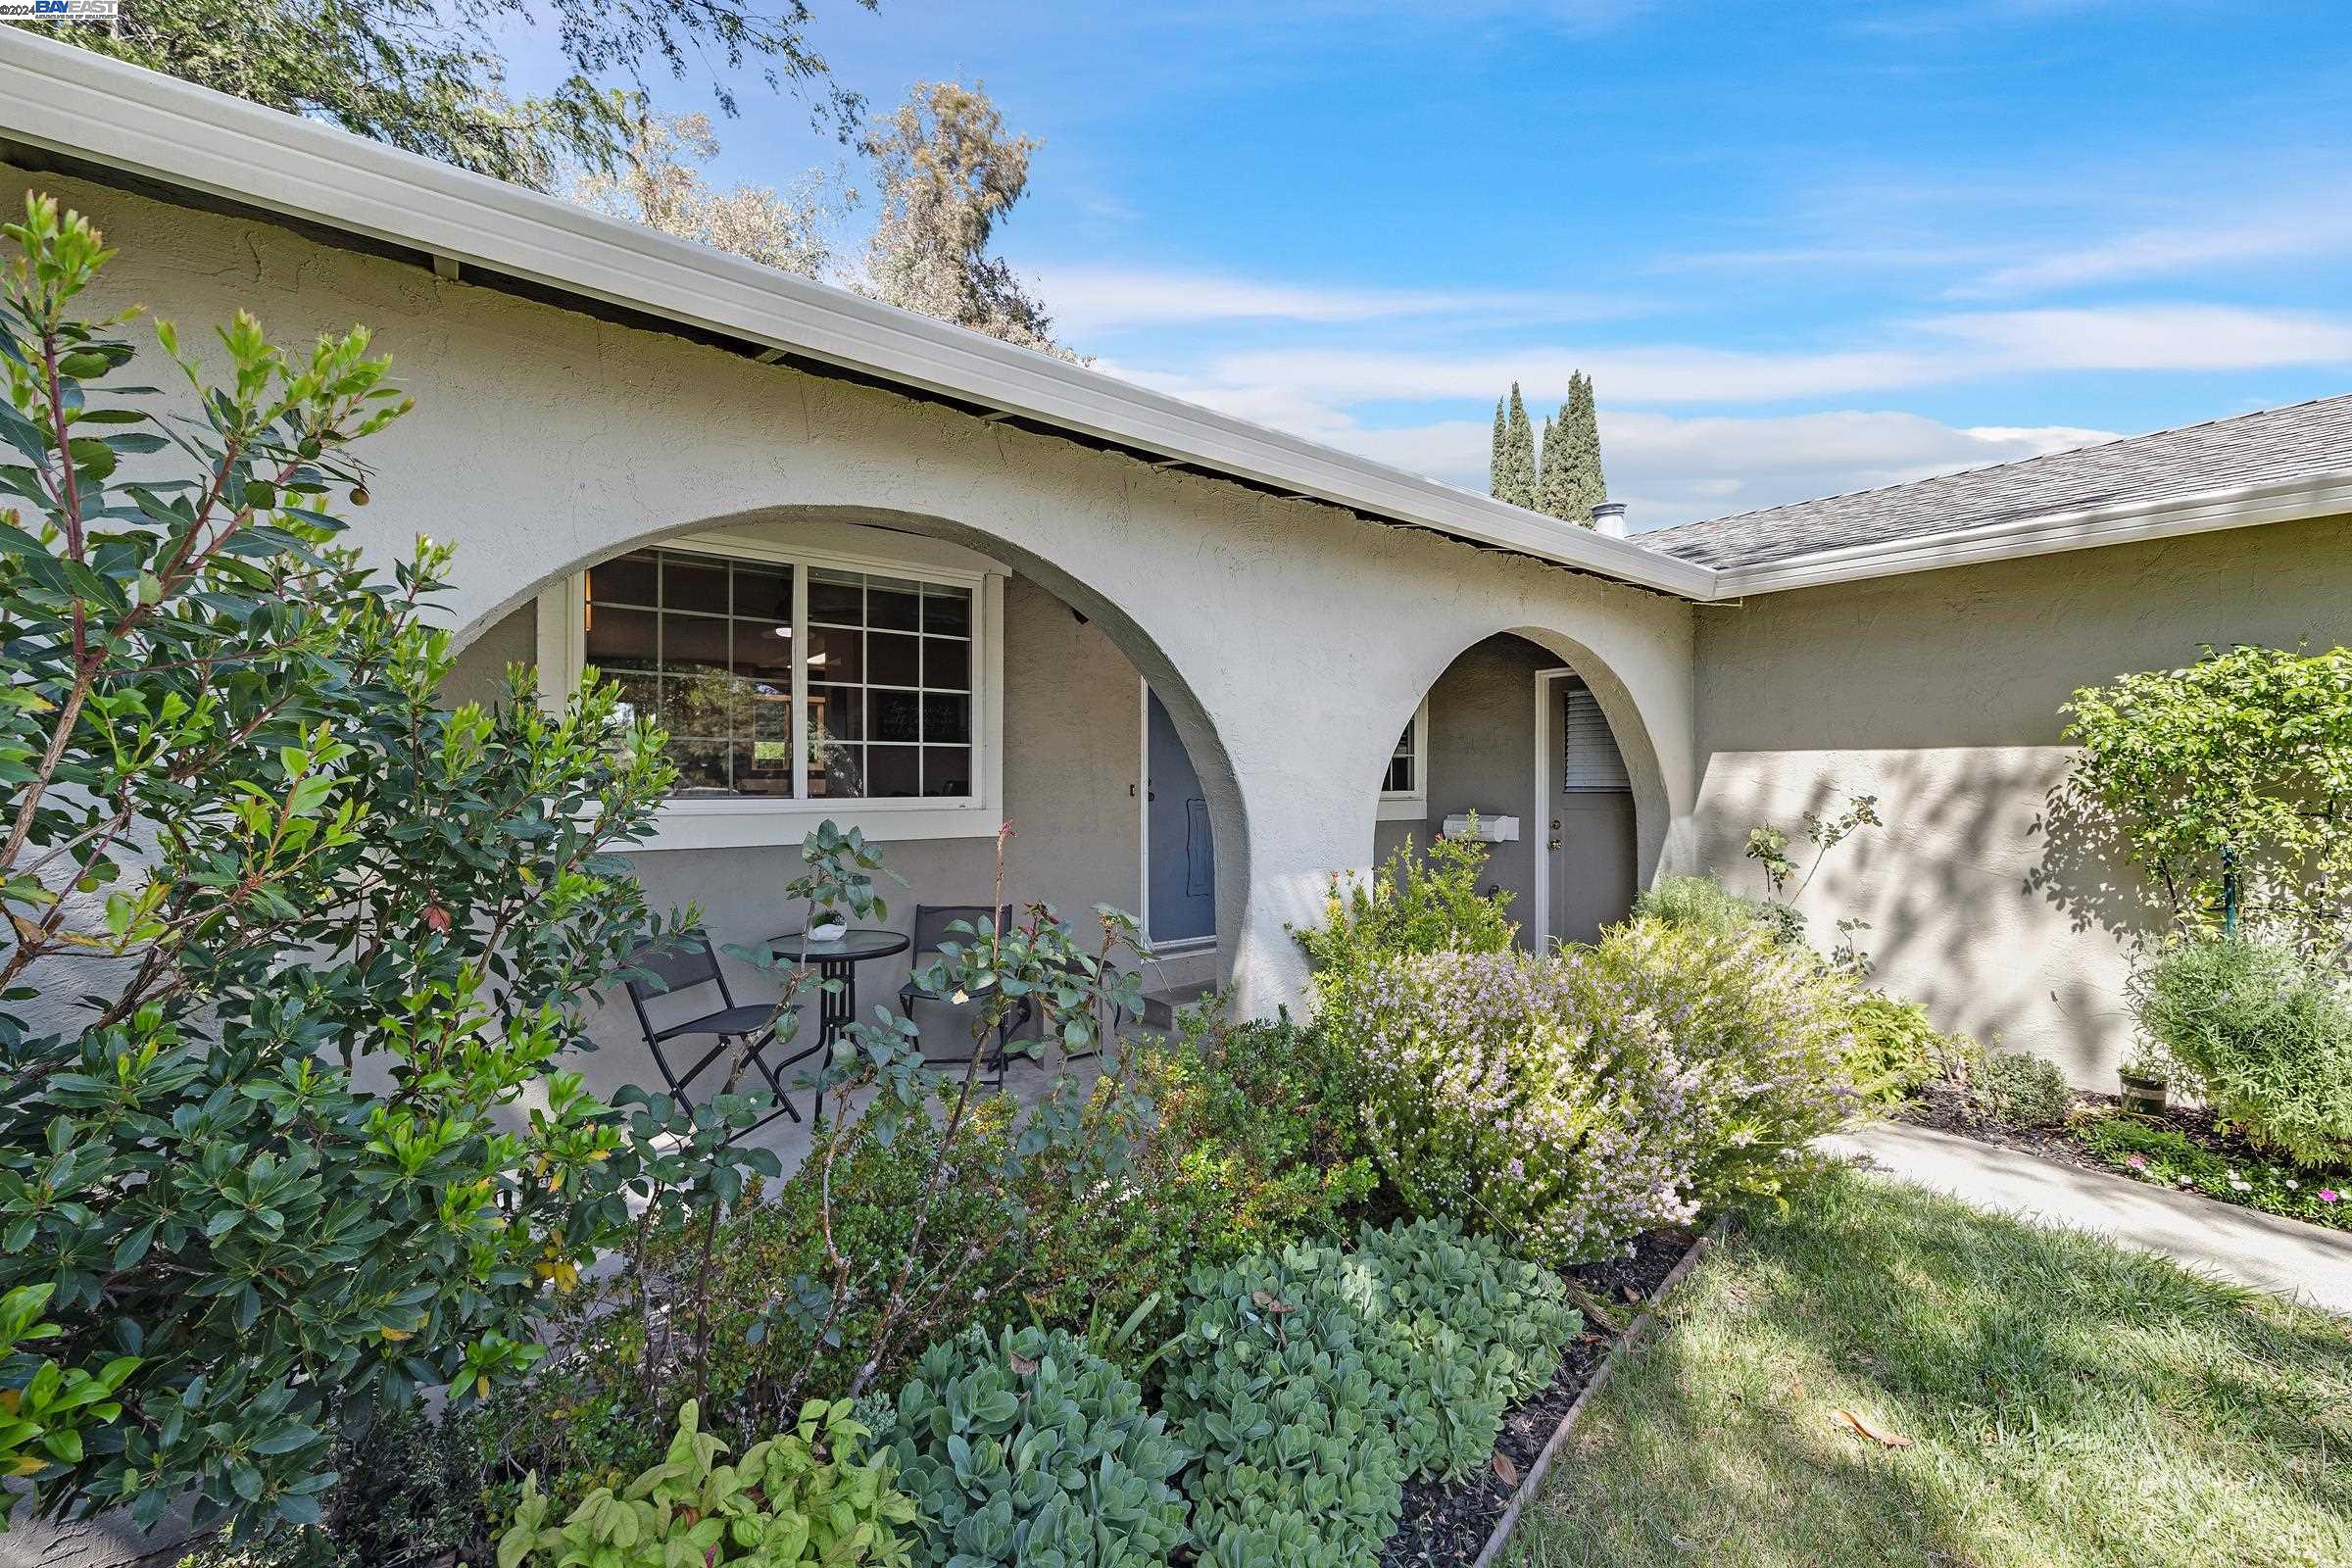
x=1411, y=806
x=718, y=822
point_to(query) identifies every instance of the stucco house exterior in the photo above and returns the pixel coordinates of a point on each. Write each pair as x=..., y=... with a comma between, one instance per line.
x=872, y=568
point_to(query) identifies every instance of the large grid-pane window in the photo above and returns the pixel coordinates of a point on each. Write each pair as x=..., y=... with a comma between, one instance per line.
x=707, y=645
x=890, y=687
x=703, y=645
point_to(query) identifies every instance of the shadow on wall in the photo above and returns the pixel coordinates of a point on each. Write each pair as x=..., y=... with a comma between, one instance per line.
x=2010, y=926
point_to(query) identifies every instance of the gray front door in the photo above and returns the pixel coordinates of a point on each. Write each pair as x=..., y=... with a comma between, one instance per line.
x=1590, y=820
x=1180, y=850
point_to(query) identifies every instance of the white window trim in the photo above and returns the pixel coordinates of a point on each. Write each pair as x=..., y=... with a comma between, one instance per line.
x=723, y=824
x=1411, y=806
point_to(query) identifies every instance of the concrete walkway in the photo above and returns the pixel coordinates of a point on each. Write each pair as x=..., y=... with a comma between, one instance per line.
x=2295, y=1259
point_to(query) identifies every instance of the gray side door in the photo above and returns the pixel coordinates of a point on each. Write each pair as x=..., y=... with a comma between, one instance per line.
x=1182, y=850
x=1590, y=820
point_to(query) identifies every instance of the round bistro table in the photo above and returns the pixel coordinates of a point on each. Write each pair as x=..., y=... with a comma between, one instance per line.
x=838, y=960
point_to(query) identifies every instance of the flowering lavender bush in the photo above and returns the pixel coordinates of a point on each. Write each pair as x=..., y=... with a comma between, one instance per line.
x=1525, y=1096
x=1764, y=1038
x=1570, y=1102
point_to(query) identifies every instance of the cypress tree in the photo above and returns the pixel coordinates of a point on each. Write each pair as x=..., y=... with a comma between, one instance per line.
x=1498, y=474
x=1553, y=479
x=1583, y=486
x=1519, y=441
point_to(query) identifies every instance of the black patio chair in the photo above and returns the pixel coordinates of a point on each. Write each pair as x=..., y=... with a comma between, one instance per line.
x=673, y=968
x=931, y=923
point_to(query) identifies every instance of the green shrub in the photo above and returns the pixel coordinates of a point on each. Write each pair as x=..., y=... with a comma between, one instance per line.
x=1256, y=1143
x=2022, y=1089
x=1756, y=1069
x=1412, y=904
x=1028, y=1447
x=2170, y=1159
x=2267, y=1035
x=2241, y=763
x=804, y=1498
x=1272, y=1386
x=416, y=1489
x=1481, y=1330
x=1703, y=903
x=328, y=864
x=1895, y=1050
x=1522, y=1095
x=1259, y=1142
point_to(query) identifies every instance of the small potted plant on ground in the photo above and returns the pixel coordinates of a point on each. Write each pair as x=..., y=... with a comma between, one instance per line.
x=2148, y=1080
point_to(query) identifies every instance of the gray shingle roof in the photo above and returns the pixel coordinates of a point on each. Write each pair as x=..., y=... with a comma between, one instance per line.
x=2297, y=441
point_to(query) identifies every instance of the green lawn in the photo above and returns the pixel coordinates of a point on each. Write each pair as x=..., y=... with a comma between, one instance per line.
x=2067, y=1402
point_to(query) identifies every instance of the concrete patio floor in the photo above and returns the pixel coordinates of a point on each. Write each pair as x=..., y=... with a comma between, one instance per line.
x=2301, y=1261
x=1026, y=1080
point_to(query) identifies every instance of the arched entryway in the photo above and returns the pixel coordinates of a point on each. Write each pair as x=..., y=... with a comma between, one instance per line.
x=1529, y=735
x=922, y=680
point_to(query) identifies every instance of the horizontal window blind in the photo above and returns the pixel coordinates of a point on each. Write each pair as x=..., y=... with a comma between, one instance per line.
x=1588, y=760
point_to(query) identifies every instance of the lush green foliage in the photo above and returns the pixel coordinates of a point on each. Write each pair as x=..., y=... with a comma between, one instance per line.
x=1026, y=1446
x=1412, y=904
x=1273, y=1387
x=44, y=1407
x=801, y=1499
x=1257, y=1143
x=1476, y=1330
x=759, y=1284
x=1895, y=1050
x=1703, y=902
x=1312, y=1382
x=2247, y=752
x=229, y=779
x=2266, y=1034
x=1252, y=1141
x=2170, y=1159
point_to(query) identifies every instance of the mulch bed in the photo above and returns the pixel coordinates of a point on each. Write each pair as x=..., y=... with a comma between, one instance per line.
x=1942, y=1108
x=1449, y=1523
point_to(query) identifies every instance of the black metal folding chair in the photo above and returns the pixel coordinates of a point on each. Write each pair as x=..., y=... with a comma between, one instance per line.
x=673, y=968
x=931, y=923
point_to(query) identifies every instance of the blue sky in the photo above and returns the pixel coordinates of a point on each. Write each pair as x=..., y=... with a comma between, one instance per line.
x=1802, y=248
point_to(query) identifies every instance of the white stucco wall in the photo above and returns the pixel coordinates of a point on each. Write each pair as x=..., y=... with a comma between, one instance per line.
x=1289, y=640
x=1940, y=694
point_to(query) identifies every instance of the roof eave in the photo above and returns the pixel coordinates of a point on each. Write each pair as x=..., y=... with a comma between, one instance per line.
x=2088, y=528
x=86, y=106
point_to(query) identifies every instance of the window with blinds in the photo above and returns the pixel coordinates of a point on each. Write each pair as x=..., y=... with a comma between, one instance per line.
x=1589, y=757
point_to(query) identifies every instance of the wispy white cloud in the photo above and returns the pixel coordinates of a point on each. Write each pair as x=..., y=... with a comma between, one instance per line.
x=2147, y=337
x=1107, y=298
x=1667, y=373
x=1925, y=351
x=2277, y=233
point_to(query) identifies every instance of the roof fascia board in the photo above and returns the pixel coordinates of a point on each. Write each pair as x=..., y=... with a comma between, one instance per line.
x=2088, y=528
x=81, y=103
